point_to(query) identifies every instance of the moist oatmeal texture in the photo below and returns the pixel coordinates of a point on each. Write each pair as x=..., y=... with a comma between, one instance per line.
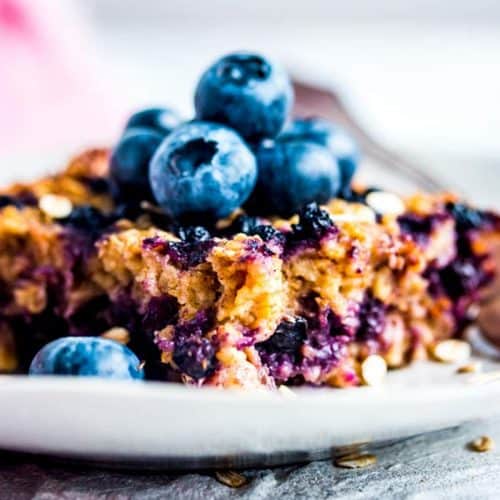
x=249, y=302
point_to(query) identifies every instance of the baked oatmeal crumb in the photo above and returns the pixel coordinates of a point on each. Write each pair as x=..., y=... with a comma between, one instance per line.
x=451, y=351
x=373, y=370
x=385, y=202
x=356, y=461
x=482, y=444
x=55, y=206
x=364, y=214
x=473, y=367
x=118, y=334
x=231, y=478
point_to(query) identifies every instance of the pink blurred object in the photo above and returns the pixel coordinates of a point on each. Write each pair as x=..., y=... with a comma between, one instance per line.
x=52, y=91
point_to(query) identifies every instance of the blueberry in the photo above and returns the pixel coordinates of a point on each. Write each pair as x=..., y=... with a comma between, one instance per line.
x=254, y=226
x=193, y=234
x=18, y=201
x=246, y=92
x=98, y=185
x=269, y=233
x=466, y=218
x=88, y=219
x=334, y=137
x=314, y=224
x=292, y=174
x=202, y=171
x=288, y=337
x=195, y=356
x=245, y=224
x=6, y=200
x=161, y=120
x=462, y=277
x=130, y=161
x=193, y=353
x=372, y=317
x=86, y=357
x=182, y=254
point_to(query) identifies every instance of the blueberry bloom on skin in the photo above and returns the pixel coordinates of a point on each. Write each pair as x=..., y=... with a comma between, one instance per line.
x=291, y=175
x=202, y=172
x=129, y=163
x=246, y=92
x=87, y=357
x=161, y=120
x=335, y=138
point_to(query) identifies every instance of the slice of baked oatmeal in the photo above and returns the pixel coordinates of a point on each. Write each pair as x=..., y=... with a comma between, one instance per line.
x=248, y=301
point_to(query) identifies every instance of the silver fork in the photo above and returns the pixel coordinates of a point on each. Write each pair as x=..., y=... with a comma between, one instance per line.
x=316, y=101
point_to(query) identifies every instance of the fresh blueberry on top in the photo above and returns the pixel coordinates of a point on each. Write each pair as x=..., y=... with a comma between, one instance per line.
x=292, y=174
x=202, y=171
x=334, y=137
x=130, y=159
x=247, y=92
x=87, y=357
x=161, y=120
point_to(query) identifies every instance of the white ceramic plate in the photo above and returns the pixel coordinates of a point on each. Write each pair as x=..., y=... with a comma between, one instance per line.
x=164, y=425
x=168, y=425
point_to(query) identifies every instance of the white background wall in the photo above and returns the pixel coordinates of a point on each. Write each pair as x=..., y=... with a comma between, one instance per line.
x=424, y=76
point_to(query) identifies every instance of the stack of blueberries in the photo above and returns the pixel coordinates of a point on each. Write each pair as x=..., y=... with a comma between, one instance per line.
x=239, y=151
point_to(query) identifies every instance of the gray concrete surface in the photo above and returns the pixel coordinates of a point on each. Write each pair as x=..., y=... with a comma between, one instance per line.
x=435, y=466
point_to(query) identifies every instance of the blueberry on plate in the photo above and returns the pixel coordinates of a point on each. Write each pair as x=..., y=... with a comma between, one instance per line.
x=291, y=175
x=129, y=164
x=87, y=357
x=246, y=92
x=161, y=120
x=202, y=172
x=334, y=137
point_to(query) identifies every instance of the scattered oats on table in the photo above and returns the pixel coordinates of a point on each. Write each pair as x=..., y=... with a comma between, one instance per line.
x=474, y=367
x=231, y=478
x=356, y=461
x=482, y=444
